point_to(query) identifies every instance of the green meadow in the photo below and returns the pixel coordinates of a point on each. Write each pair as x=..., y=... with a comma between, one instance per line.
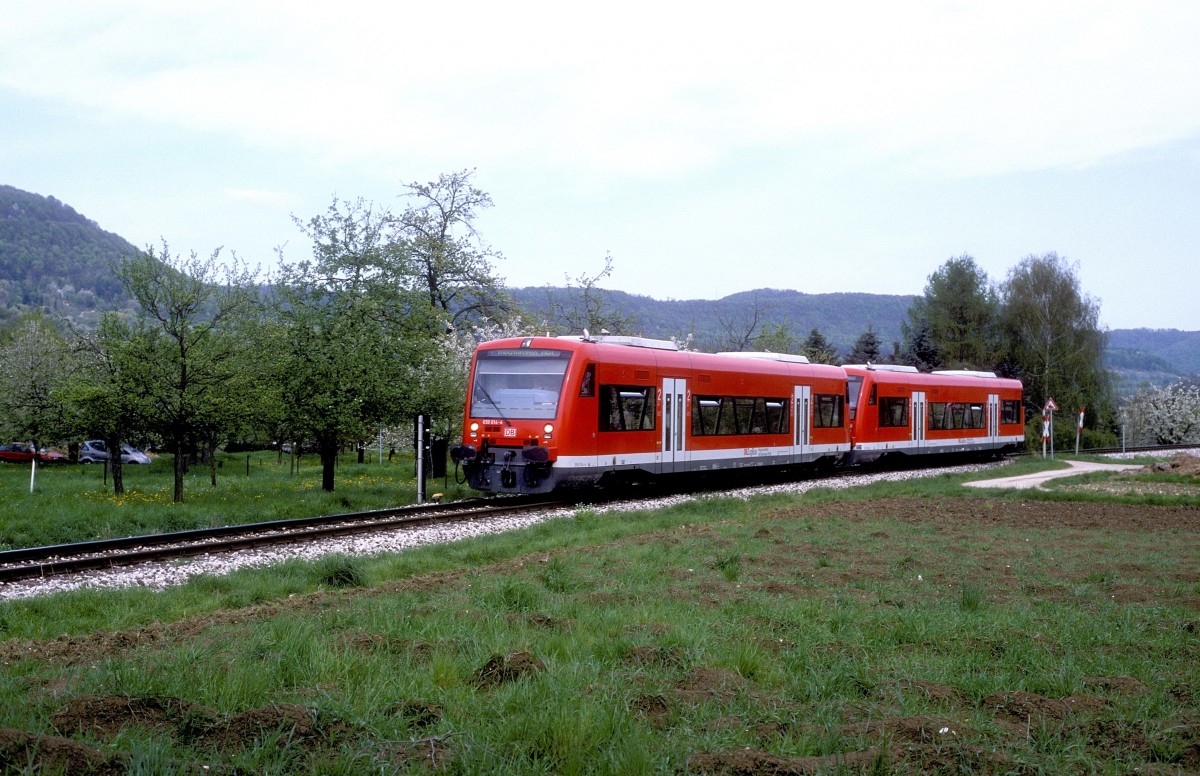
x=902, y=627
x=76, y=502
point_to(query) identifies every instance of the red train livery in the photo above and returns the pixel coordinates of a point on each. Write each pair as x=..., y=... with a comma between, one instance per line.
x=552, y=412
x=898, y=410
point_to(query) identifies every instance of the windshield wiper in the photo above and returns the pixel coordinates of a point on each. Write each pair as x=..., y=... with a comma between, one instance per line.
x=492, y=401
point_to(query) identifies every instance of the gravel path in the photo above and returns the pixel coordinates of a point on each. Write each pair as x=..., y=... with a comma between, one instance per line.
x=1036, y=480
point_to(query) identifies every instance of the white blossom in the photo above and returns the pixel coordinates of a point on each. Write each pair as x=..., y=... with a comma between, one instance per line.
x=1163, y=416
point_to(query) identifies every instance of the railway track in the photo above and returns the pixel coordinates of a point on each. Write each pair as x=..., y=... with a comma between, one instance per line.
x=1129, y=449
x=46, y=562
x=41, y=562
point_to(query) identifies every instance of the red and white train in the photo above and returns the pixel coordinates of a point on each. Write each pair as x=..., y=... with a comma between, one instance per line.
x=545, y=413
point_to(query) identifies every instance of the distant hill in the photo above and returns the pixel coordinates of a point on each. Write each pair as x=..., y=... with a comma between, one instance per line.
x=1179, y=348
x=1155, y=357
x=840, y=317
x=54, y=258
x=1138, y=357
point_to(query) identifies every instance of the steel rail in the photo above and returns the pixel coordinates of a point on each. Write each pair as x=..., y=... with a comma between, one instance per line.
x=1130, y=449
x=37, y=562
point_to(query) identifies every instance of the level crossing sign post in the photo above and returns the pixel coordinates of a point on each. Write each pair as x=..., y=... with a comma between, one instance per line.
x=1048, y=426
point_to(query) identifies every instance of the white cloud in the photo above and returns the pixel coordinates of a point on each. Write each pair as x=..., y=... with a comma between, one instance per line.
x=636, y=89
x=881, y=136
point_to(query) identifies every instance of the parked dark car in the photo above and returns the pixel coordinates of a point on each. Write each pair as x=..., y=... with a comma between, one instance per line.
x=96, y=451
x=19, y=452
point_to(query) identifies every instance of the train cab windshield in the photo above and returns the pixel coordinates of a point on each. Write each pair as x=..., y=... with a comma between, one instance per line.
x=518, y=383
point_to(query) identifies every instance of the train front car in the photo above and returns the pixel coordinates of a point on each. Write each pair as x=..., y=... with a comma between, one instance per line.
x=511, y=423
x=548, y=413
x=898, y=411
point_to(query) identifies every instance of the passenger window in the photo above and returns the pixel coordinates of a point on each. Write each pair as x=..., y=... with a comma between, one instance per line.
x=827, y=410
x=734, y=415
x=893, y=412
x=627, y=408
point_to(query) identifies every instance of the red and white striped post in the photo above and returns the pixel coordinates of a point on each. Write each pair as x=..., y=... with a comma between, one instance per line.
x=1048, y=426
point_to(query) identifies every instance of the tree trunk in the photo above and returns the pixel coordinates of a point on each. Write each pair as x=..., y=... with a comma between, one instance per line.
x=180, y=470
x=113, y=444
x=329, y=452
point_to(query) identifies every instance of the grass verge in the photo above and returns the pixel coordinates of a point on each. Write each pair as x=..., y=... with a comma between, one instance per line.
x=889, y=629
x=75, y=502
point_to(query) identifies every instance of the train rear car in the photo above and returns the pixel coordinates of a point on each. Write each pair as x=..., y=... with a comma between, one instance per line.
x=897, y=410
x=545, y=413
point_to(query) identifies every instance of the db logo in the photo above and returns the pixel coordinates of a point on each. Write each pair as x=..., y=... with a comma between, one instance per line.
x=510, y=432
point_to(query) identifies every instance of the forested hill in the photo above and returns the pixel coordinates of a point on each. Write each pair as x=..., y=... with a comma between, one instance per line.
x=840, y=317
x=52, y=257
x=1137, y=357
x=1153, y=356
x=56, y=259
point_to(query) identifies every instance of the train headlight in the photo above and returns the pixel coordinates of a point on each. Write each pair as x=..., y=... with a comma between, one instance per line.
x=548, y=429
x=474, y=429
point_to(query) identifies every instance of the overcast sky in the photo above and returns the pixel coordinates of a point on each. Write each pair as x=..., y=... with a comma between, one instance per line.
x=709, y=147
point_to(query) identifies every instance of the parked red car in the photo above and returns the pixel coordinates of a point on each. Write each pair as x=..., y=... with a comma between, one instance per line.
x=18, y=452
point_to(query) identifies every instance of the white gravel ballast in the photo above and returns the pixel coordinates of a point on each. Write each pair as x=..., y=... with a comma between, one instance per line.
x=162, y=574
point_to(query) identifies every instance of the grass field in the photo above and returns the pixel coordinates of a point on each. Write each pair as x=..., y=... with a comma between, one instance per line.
x=910, y=627
x=75, y=502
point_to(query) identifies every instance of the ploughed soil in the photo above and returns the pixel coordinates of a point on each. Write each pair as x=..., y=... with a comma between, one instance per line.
x=85, y=726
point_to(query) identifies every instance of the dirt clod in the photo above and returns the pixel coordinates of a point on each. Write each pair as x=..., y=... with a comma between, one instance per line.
x=292, y=723
x=911, y=730
x=501, y=669
x=418, y=714
x=22, y=752
x=106, y=716
x=653, y=708
x=1119, y=685
x=703, y=684
x=752, y=762
x=1027, y=708
x=1183, y=464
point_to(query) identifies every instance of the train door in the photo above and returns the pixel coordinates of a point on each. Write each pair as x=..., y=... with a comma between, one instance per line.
x=803, y=414
x=918, y=420
x=993, y=418
x=674, y=432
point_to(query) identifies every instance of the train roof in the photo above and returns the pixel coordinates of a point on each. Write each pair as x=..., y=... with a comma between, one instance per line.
x=897, y=373
x=618, y=339
x=766, y=355
x=643, y=347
